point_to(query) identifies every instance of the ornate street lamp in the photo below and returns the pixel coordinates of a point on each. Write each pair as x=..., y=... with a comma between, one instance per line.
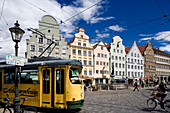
x=16, y=33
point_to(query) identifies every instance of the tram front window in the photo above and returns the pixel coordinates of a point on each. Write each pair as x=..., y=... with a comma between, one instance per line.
x=74, y=76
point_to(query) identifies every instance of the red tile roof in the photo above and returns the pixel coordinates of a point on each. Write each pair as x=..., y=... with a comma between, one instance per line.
x=127, y=49
x=71, y=41
x=142, y=48
x=108, y=46
x=157, y=50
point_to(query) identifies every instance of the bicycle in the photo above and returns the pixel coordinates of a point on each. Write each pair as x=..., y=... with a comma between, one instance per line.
x=22, y=108
x=153, y=102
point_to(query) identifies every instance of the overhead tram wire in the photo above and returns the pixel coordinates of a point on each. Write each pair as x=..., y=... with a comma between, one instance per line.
x=151, y=28
x=161, y=9
x=40, y=9
x=74, y=15
x=2, y=9
x=146, y=22
x=83, y=11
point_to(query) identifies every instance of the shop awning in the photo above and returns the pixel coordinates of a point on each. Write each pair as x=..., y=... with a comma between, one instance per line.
x=121, y=79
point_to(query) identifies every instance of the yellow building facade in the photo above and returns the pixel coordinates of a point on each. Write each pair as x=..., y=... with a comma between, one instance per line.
x=81, y=49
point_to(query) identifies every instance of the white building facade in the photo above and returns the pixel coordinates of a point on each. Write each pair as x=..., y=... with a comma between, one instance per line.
x=117, y=59
x=101, y=63
x=36, y=44
x=134, y=63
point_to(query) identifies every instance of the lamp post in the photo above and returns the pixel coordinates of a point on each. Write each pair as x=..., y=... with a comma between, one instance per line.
x=16, y=33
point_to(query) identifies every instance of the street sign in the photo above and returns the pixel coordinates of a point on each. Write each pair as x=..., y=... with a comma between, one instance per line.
x=16, y=60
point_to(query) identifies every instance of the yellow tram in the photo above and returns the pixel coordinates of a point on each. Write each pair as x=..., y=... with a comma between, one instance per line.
x=46, y=82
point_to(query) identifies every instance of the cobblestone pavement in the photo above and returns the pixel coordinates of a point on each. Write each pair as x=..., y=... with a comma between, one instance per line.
x=117, y=101
x=120, y=101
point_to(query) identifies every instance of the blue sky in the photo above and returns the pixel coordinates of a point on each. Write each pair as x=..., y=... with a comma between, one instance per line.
x=139, y=20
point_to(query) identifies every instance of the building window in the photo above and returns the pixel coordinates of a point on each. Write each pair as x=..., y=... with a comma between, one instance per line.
x=41, y=40
x=90, y=72
x=102, y=55
x=90, y=63
x=85, y=62
x=100, y=62
x=116, y=64
x=131, y=66
x=32, y=47
x=85, y=72
x=135, y=54
x=101, y=48
x=74, y=51
x=89, y=53
x=128, y=66
x=79, y=43
x=117, y=50
x=84, y=44
x=119, y=58
x=131, y=60
x=48, y=41
x=116, y=73
x=123, y=58
x=98, y=55
x=128, y=59
x=116, y=57
x=97, y=71
x=105, y=56
x=40, y=49
x=113, y=50
x=97, y=62
x=79, y=52
x=121, y=51
x=131, y=54
x=112, y=57
x=84, y=53
x=81, y=36
x=119, y=65
x=123, y=65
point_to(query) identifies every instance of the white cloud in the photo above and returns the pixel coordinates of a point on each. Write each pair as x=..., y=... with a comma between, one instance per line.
x=145, y=35
x=165, y=48
x=104, y=35
x=29, y=15
x=98, y=19
x=164, y=35
x=145, y=39
x=116, y=28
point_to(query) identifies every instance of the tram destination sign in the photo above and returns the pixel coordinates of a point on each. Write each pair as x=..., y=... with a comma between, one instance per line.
x=13, y=60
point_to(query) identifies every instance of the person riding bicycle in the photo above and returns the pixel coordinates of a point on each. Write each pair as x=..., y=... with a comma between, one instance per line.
x=161, y=91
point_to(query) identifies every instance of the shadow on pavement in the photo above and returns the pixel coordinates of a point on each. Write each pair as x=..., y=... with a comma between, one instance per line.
x=62, y=111
x=150, y=110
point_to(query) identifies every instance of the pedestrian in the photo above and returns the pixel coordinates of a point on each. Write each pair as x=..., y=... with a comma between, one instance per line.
x=136, y=86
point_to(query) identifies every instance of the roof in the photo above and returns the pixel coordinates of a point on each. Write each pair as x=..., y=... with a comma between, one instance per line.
x=159, y=51
x=108, y=46
x=95, y=46
x=71, y=41
x=142, y=48
x=47, y=62
x=127, y=49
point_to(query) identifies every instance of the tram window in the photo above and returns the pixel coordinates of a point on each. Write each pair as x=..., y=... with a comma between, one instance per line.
x=46, y=81
x=0, y=81
x=29, y=77
x=74, y=76
x=9, y=77
x=60, y=81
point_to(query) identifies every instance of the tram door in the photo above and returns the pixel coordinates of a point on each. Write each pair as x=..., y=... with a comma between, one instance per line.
x=59, y=82
x=46, y=87
x=53, y=87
